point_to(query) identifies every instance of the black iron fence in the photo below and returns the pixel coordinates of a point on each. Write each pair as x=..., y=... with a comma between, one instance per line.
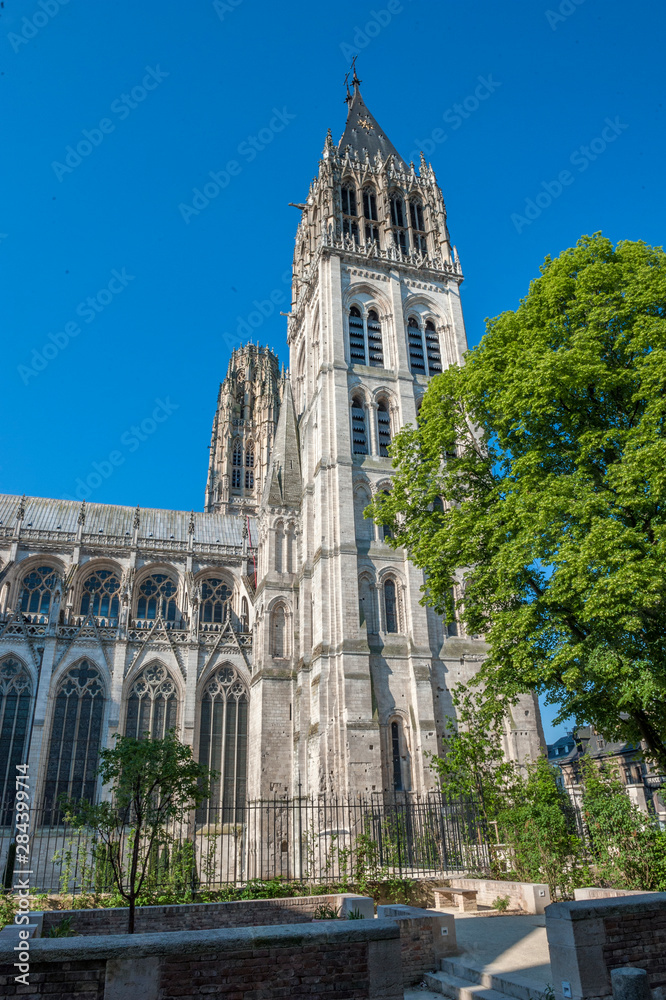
x=313, y=840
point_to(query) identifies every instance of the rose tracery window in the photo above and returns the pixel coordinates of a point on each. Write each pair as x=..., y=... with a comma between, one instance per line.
x=101, y=594
x=223, y=745
x=76, y=735
x=157, y=598
x=152, y=706
x=15, y=696
x=38, y=587
x=215, y=596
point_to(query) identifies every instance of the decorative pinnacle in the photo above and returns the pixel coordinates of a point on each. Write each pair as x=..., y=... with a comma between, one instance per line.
x=20, y=513
x=190, y=527
x=137, y=517
x=82, y=514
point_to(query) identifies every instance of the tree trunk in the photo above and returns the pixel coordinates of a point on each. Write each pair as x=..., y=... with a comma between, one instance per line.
x=130, y=921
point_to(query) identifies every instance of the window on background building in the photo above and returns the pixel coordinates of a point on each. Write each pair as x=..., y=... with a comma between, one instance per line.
x=399, y=222
x=359, y=429
x=396, y=757
x=236, y=466
x=101, y=594
x=152, y=706
x=157, y=598
x=390, y=606
x=370, y=215
x=278, y=632
x=349, y=211
x=215, y=596
x=15, y=695
x=38, y=586
x=383, y=427
x=223, y=746
x=420, y=240
x=76, y=734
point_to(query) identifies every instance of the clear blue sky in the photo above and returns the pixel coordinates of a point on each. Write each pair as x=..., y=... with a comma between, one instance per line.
x=209, y=76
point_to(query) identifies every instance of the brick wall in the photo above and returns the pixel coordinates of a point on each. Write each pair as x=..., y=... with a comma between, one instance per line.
x=425, y=937
x=343, y=960
x=194, y=916
x=588, y=938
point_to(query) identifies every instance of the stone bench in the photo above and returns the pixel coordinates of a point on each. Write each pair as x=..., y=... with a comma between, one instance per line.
x=465, y=898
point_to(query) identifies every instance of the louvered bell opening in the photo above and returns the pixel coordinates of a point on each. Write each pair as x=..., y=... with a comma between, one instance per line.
x=384, y=432
x=433, y=351
x=416, y=359
x=359, y=439
x=356, y=340
x=375, y=344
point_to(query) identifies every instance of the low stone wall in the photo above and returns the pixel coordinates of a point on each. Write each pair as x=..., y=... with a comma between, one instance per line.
x=589, y=938
x=592, y=892
x=344, y=960
x=425, y=937
x=205, y=916
x=531, y=897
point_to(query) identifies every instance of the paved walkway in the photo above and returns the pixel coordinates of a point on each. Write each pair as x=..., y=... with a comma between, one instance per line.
x=514, y=945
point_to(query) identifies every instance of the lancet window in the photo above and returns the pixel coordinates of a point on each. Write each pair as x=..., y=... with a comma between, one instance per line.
x=215, y=596
x=425, y=357
x=365, y=338
x=101, y=594
x=419, y=238
x=359, y=428
x=349, y=211
x=383, y=427
x=152, y=706
x=157, y=598
x=223, y=746
x=38, y=587
x=370, y=215
x=15, y=696
x=399, y=222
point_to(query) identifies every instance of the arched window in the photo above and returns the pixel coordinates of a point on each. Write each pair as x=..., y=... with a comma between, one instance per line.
x=423, y=347
x=157, y=598
x=278, y=632
x=366, y=605
x=249, y=479
x=101, y=594
x=383, y=427
x=432, y=349
x=237, y=465
x=76, y=735
x=370, y=215
x=375, y=347
x=359, y=431
x=244, y=616
x=397, y=741
x=249, y=458
x=349, y=213
x=386, y=530
x=415, y=347
x=356, y=337
x=223, y=746
x=215, y=596
x=290, y=541
x=38, y=586
x=419, y=238
x=451, y=621
x=399, y=222
x=390, y=606
x=152, y=706
x=15, y=695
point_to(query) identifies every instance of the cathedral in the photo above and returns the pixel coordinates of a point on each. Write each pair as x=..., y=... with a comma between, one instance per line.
x=277, y=631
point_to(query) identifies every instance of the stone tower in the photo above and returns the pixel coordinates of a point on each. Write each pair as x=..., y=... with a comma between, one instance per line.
x=245, y=419
x=352, y=674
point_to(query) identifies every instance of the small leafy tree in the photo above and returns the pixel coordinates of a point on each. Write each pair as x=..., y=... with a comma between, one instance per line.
x=154, y=784
x=629, y=850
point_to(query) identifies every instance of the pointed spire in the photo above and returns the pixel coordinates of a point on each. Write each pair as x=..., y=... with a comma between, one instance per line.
x=362, y=131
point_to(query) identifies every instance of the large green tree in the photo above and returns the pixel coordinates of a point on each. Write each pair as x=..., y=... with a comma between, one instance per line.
x=535, y=482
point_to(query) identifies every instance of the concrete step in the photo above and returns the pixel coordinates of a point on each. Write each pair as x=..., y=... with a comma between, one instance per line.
x=503, y=983
x=460, y=989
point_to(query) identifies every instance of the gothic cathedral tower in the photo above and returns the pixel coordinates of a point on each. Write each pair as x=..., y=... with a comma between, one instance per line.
x=352, y=675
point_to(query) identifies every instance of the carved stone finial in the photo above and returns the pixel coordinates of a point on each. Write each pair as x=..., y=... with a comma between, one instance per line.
x=20, y=513
x=82, y=513
x=244, y=529
x=190, y=527
x=137, y=517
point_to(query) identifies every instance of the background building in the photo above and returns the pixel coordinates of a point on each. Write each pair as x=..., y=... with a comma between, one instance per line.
x=278, y=632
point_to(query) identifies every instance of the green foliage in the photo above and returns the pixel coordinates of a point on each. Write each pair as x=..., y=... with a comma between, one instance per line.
x=62, y=929
x=155, y=783
x=8, y=909
x=500, y=903
x=629, y=851
x=547, y=451
x=355, y=915
x=326, y=912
